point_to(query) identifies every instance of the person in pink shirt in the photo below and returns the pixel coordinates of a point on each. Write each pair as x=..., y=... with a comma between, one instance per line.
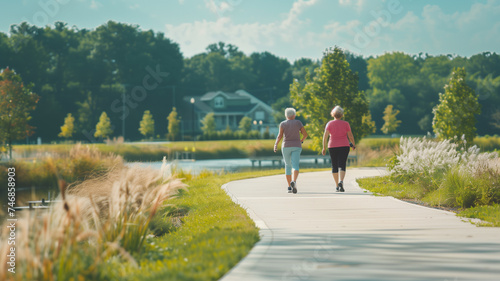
x=339, y=145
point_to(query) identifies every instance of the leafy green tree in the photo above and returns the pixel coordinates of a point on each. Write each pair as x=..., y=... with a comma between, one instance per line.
x=68, y=128
x=454, y=116
x=495, y=119
x=147, y=124
x=16, y=103
x=103, y=128
x=245, y=124
x=173, y=125
x=334, y=84
x=391, y=122
x=208, y=125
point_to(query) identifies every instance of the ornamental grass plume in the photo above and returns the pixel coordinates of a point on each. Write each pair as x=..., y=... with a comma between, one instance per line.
x=106, y=217
x=425, y=156
x=421, y=155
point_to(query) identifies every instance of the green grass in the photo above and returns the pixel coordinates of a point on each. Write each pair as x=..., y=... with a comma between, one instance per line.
x=478, y=202
x=385, y=186
x=488, y=143
x=488, y=214
x=214, y=236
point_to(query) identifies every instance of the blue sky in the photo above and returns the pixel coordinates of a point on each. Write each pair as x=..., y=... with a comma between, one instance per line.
x=287, y=28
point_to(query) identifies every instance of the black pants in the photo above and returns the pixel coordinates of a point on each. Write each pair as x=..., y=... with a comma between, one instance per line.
x=338, y=155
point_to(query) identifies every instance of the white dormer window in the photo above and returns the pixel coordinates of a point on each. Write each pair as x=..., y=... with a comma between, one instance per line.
x=219, y=102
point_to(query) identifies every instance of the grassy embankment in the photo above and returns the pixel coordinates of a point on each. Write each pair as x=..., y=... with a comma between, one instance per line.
x=100, y=230
x=440, y=174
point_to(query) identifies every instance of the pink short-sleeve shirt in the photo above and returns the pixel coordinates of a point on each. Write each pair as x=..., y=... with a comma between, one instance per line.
x=338, y=133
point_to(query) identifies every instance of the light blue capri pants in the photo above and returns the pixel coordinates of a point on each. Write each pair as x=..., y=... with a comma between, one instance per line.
x=291, y=156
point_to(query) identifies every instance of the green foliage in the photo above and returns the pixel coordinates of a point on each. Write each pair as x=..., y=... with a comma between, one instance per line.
x=391, y=70
x=17, y=101
x=103, y=128
x=245, y=124
x=454, y=116
x=487, y=143
x=208, y=124
x=391, y=123
x=68, y=128
x=174, y=127
x=490, y=215
x=334, y=84
x=147, y=124
x=92, y=69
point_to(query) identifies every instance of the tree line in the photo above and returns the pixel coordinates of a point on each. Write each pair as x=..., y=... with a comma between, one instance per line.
x=124, y=71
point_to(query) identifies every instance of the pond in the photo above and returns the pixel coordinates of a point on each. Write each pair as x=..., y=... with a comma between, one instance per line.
x=227, y=165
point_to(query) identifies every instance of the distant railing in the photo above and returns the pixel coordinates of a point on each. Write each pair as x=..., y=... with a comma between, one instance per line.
x=278, y=160
x=38, y=204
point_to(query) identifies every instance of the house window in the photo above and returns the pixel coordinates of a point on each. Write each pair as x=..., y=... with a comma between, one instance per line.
x=219, y=102
x=259, y=115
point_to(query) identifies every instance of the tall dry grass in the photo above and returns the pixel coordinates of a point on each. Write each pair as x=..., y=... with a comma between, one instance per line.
x=101, y=219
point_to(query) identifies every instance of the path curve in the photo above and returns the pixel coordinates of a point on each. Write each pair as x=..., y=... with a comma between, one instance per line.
x=318, y=234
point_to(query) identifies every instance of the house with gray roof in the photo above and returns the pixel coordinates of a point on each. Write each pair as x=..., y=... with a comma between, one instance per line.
x=230, y=108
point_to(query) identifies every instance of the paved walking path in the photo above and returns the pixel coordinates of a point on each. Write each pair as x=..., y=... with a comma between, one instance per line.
x=318, y=234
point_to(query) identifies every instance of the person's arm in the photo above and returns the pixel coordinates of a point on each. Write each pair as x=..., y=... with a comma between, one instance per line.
x=351, y=139
x=278, y=139
x=325, y=141
x=304, y=134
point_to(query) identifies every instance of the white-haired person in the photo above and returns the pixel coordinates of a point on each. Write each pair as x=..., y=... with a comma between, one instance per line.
x=338, y=131
x=290, y=132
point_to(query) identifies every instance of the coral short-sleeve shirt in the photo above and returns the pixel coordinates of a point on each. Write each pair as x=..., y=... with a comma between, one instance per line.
x=338, y=133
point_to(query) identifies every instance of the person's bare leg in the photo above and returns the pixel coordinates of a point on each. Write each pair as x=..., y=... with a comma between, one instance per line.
x=336, y=178
x=295, y=175
x=342, y=175
x=288, y=179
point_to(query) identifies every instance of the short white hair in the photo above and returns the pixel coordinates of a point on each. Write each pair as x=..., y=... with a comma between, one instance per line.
x=289, y=112
x=337, y=112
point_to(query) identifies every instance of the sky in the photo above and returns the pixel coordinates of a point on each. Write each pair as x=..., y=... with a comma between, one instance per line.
x=290, y=29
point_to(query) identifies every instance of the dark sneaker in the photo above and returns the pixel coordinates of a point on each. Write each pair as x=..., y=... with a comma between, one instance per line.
x=341, y=187
x=289, y=189
x=294, y=187
x=337, y=188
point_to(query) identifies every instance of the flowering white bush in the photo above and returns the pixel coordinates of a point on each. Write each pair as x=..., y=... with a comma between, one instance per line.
x=421, y=155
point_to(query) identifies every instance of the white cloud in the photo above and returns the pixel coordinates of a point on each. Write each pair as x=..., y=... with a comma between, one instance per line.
x=95, y=4
x=430, y=30
x=358, y=4
x=294, y=13
x=134, y=7
x=219, y=7
x=181, y=2
x=433, y=31
x=249, y=37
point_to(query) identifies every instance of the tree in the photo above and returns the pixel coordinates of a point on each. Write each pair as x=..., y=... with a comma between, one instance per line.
x=334, y=84
x=391, y=122
x=245, y=124
x=103, y=128
x=454, y=116
x=147, y=124
x=68, y=128
x=208, y=125
x=495, y=117
x=16, y=103
x=173, y=125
